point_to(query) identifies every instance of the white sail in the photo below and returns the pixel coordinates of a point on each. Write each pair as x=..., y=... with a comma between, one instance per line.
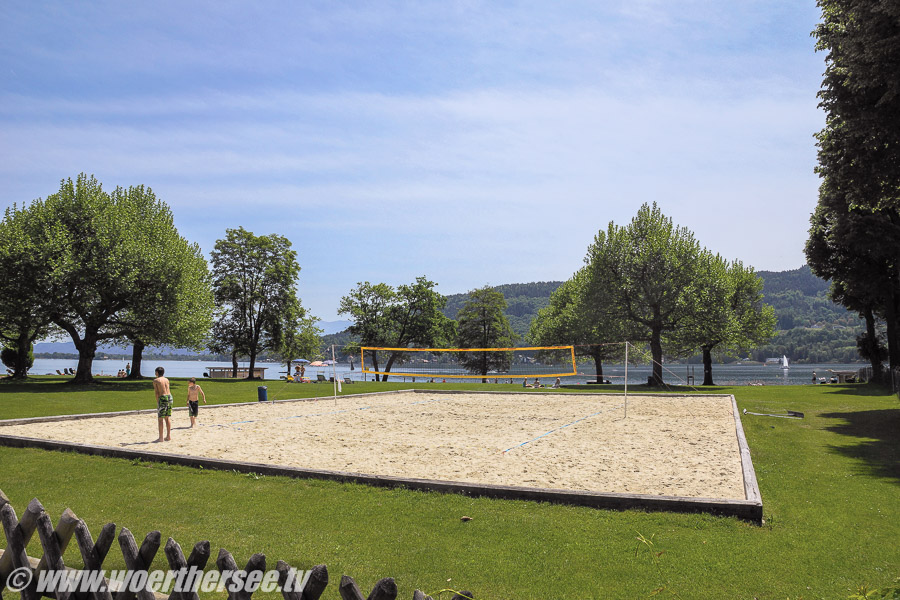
x=784, y=362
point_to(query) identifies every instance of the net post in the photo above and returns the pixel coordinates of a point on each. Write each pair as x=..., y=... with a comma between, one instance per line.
x=362, y=363
x=334, y=378
x=626, y=379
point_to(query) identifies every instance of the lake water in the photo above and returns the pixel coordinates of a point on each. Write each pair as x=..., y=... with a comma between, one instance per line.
x=733, y=374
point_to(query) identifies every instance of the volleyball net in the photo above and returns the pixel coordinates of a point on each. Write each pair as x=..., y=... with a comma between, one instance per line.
x=470, y=363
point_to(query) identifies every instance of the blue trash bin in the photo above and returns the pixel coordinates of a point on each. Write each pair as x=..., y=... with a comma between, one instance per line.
x=262, y=392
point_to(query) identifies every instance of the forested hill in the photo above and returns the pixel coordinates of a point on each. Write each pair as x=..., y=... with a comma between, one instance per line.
x=523, y=301
x=800, y=299
x=811, y=328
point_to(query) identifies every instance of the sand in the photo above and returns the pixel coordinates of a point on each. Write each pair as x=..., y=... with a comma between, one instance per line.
x=668, y=445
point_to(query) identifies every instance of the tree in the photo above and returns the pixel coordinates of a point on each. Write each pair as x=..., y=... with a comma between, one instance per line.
x=754, y=321
x=13, y=359
x=406, y=317
x=368, y=306
x=181, y=315
x=579, y=314
x=254, y=279
x=859, y=160
x=104, y=259
x=857, y=249
x=728, y=314
x=24, y=279
x=301, y=337
x=416, y=319
x=228, y=336
x=482, y=324
x=649, y=268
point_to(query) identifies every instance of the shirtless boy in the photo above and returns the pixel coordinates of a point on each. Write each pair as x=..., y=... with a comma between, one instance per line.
x=195, y=392
x=163, y=403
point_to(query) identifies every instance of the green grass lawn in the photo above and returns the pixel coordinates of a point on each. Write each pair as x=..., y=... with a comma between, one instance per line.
x=830, y=485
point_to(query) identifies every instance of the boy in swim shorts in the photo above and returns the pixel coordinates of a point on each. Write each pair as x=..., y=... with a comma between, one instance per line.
x=163, y=403
x=193, y=402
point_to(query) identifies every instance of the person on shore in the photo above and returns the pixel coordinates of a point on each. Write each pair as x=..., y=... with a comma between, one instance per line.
x=127, y=369
x=815, y=378
x=163, y=404
x=557, y=384
x=195, y=392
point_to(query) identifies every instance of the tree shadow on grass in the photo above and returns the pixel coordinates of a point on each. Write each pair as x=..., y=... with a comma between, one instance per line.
x=858, y=389
x=65, y=385
x=878, y=450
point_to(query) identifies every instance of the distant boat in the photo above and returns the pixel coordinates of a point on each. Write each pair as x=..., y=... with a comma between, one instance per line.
x=784, y=362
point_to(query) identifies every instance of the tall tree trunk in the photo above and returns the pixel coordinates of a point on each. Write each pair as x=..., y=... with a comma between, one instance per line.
x=598, y=365
x=892, y=319
x=374, y=363
x=87, y=349
x=252, y=365
x=234, y=364
x=707, y=365
x=137, y=355
x=23, y=346
x=656, y=352
x=875, y=359
x=892, y=308
x=388, y=366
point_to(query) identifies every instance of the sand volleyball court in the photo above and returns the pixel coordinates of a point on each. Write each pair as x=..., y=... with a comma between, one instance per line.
x=667, y=446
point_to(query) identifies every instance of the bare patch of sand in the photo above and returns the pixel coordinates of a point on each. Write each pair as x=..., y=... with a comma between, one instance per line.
x=668, y=445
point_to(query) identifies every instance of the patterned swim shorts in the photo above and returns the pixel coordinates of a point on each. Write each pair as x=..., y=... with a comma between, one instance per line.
x=193, y=408
x=164, y=406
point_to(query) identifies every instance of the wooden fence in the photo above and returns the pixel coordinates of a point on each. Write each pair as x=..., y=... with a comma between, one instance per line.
x=54, y=541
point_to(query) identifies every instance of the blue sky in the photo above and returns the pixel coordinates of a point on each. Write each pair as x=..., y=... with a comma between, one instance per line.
x=472, y=142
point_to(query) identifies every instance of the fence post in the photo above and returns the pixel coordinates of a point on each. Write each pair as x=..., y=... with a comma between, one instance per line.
x=137, y=561
x=316, y=583
x=15, y=547
x=93, y=558
x=52, y=552
x=26, y=529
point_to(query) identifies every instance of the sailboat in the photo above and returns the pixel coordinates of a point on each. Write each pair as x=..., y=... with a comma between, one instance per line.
x=784, y=362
